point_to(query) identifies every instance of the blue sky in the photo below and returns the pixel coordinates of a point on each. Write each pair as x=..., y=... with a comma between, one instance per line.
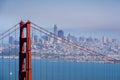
x=79, y=17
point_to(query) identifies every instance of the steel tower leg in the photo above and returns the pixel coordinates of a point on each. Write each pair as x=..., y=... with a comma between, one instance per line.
x=25, y=63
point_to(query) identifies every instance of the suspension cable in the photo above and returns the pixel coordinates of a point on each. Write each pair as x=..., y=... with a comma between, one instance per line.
x=71, y=43
x=65, y=40
x=9, y=31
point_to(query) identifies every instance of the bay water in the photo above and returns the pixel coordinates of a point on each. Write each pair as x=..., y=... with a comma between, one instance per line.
x=61, y=70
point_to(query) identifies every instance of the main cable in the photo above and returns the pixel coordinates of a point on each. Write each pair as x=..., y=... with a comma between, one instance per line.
x=71, y=43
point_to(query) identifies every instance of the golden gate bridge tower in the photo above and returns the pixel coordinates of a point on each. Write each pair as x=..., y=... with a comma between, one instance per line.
x=25, y=65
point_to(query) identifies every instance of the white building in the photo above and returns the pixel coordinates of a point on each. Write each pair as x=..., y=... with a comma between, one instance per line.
x=105, y=40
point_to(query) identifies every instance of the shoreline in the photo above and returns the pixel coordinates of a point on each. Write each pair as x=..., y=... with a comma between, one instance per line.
x=38, y=57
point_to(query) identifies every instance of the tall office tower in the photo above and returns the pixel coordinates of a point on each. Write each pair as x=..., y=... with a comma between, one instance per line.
x=105, y=40
x=68, y=37
x=82, y=39
x=61, y=34
x=11, y=40
x=115, y=42
x=35, y=38
x=55, y=32
x=89, y=39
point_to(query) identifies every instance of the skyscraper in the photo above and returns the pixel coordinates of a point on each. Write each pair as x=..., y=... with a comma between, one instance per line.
x=11, y=40
x=105, y=40
x=55, y=32
x=35, y=38
x=61, y=34
x=68, y=37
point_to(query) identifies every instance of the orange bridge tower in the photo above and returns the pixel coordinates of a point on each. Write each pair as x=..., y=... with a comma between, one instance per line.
x=25, y=55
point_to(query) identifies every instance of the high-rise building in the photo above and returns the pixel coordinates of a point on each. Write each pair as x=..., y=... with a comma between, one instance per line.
x=105, y=40
x=61, y=34
x=45, y=38
x=16, y=42
x=89, y=39
x=82, y=39
x=115, y=41
x=68, y=37
x=11, y=40
x=55, y=32
x=35, y=38
x=71, y=38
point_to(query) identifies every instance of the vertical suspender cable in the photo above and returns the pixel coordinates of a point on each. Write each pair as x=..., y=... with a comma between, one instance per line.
x=77, y=66
x=105, y=69
x=33, y=34
x=34, y=55
x=82, y=67
x=52, y=63
x=111, y=70
x=94, y=68
x=58, y=65
x=87, y=66
x=118, y=70
x=103, y=63
x=46, y=60
x=33, y=52
x=2, y=60
x=40, y=59
x=40, y=65
x=115, y=71
x=70, y=67
x=9, y=61
x=115, y=68
x=15, y=54
x=62, y=65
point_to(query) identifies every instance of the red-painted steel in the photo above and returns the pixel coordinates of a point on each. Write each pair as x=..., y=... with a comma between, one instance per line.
x=28, y=53
x=25, y=67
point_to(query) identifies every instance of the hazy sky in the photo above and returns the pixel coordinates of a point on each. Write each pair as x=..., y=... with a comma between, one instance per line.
x=79, y=17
